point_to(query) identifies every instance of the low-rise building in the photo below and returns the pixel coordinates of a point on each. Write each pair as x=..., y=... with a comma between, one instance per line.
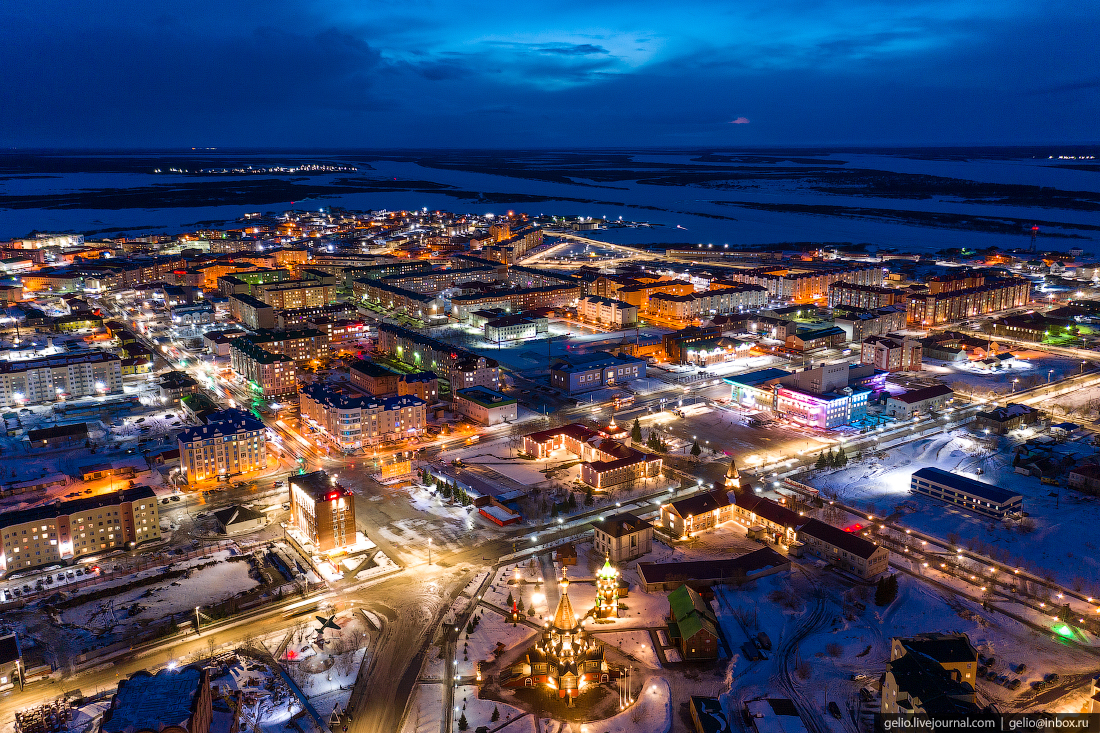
x=594, y=371
x=65, y=530
x=174, y=385
x=217, y=342
x=846, y=550
x=622, y=537
x=916, y=684
x=1001, y=420
x=322, y=510
x=235, y=520
x=692, y=625
x=952, y=652
x=59, y=436
x=511, y=328
x=701, y=574
x=685, y=517
x=606, y=462
x=231, y=442
x=919, y=401
x=767, y=519
x=966, y=493
x=486, y=406
x=172, y=700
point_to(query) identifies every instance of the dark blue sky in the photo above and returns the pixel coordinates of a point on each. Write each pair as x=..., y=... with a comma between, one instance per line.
x=500, y=73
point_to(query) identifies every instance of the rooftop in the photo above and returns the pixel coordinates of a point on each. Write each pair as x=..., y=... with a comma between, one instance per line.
x=620, y=525
x=485, y=397
x=713, y=570
x=980, y=489
x=147, y=702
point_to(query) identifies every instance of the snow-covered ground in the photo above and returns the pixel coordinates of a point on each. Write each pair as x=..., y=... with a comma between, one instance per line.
x=637, y=644
x=201, y=587
x=1060, y=543
x=492, y=630
x=425, y=709
x=1031, y=367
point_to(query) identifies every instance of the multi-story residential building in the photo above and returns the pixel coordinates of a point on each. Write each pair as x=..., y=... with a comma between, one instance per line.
x=917, y=684
x=891, y=353
x=274, y=374
x=303, y=345
x=322, y=510
x=52, y=378
x=174, y=385
x=864, y=296
x=252, y=312
x=458, y=366
x=291, y=294
x=303, y=316
x=66, y=530
x=926, y=308
x=486, y=406
x=806, y=282
x=639, y=294
x=232, y=442
x=622, y=537
x=338, y=330
x=593, y=371
x=351, y=420
x=607, y=311
x=398, y=299
x=515, y=300
x=859, y=323
x=435, y=281
x=382, y=381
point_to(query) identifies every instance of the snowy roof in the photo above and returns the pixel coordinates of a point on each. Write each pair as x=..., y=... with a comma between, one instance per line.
x=925, y=393
x=621, y=525
x=147, y=702
x=774, y=716
x=979, y=489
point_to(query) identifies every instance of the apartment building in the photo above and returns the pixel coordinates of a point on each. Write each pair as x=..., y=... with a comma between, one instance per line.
x=274, y=374
x=291, y=294
x=232, y=442
x=398, y=299
x=891, y=353
x=926, y=308
x=52, y=378
x=252, y=312
x=864, y=296
x=516, y=300
x=303, y=345
x=461, y=368
x=435, y=281
x=859, y=323
x=351, y=420
x=322, y=510
x=806, y=282
x=66, y=530
x=607, y=311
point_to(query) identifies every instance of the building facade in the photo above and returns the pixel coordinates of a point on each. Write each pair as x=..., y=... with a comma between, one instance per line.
x=232, y=442
x=622, y=537
x=595, y=371
x=322, y=510
x=352, y=420
x=54, y=378
x=485, y=406
x=274, y=375
x=966, y=493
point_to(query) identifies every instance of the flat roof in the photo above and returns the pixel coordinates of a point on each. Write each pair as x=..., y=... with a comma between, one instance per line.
x=980, y=489
x=147, y=702
x=752, y=379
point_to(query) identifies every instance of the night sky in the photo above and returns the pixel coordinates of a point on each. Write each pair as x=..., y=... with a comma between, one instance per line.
x=501, y=73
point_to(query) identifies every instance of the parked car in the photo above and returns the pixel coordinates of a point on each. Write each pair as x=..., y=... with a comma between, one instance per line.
x=1021, y=668
x=834, y=709
x=1015, y=684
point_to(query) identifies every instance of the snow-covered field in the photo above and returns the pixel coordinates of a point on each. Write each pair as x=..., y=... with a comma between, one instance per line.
x=1061, y=542
x=1029, y=366
x=202, y=587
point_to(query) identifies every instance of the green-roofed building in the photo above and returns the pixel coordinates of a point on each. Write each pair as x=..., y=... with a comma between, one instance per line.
x=692, y=625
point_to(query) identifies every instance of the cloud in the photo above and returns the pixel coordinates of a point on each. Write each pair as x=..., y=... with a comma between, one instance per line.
x=740, y=121
x=579, y=49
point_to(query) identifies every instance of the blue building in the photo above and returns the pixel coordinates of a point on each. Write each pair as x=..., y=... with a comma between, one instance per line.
x=966, y=493
x=586, y=372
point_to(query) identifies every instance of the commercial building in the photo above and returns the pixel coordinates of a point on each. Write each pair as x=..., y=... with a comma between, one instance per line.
x=768, y=520
x=273, y=374
x=54, y=378
x=607, y=311
x=231, y=442
x=622, y=537
x=822, y=397
x=351, y=420
x=756, y=389
x=485, y=406
x=517, y=327
x=891, y=353
x=685, y=517
x=322, y=510
x=919, y=401
x=966, y=493
x=927, y=308
x=596, y=370
x=64, y=530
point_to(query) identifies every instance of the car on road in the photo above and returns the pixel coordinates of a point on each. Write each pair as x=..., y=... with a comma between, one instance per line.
x=834, y=709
